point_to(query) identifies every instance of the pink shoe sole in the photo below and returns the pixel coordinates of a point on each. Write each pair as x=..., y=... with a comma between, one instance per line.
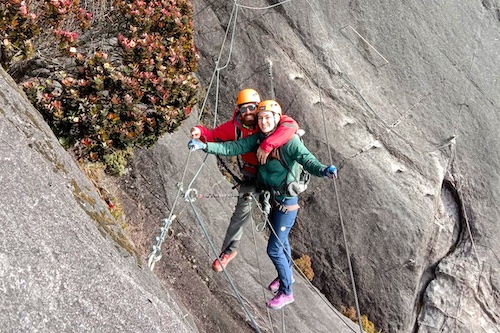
x=279, y=301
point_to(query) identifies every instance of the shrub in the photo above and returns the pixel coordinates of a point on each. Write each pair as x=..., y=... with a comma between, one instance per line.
x=24, y=26
x=350, y=313
x=304, y=264
x=117, y=160
x=104, y=103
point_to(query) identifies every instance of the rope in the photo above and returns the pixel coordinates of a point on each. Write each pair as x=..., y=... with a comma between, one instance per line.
x=351, y=273
x=454, y=152
x=254, y=229
x=216, y=196
x=233, y=20
x=156, y=255
x=216, y=72
x=267, y=7
x=191, y=199
x=348, y=258
x=268, y=222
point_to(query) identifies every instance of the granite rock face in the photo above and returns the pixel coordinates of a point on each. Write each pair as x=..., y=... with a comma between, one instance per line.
x=404, y=97
x=64, y=266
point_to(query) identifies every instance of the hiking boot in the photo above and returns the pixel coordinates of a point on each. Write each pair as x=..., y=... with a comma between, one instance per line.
x=275, y=285
x=225, y=258
x=280, y=300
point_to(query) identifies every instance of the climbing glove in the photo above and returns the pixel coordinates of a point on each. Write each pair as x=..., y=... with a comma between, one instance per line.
x=194, y=144
x=329, y=171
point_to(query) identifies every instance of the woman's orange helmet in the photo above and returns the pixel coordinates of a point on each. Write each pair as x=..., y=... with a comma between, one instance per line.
x=269, y=105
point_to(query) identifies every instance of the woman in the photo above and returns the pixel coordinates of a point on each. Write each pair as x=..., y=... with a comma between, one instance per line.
x=242, y=125
x=275, y=175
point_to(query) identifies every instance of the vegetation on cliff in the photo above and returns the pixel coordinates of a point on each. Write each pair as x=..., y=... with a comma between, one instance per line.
x=107, y=78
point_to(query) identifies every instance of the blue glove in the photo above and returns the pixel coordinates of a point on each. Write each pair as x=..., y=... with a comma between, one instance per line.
x=194, y=144
x=330, y=172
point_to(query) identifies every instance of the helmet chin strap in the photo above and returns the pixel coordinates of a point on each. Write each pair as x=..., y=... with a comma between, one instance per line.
x=276, y=119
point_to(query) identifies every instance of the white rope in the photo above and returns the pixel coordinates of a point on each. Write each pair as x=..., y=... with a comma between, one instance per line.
x=216, y=77
x=214, y=251
x=262, y=8
x=344, y=233
x=254, y=229
x=297, y=268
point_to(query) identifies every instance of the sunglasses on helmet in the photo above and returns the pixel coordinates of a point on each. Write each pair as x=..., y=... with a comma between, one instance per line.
x=251, y=107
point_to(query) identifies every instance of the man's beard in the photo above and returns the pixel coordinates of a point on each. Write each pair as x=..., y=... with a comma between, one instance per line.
x=250, y=122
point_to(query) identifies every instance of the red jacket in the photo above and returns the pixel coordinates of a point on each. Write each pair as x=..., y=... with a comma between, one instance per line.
x=233, y=130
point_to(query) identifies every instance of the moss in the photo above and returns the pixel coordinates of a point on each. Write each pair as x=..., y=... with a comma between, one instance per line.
x=82, y=197
x=107, y=225
x=117, y=161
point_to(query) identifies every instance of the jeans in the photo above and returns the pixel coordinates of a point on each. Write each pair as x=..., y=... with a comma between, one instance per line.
x=278, y=247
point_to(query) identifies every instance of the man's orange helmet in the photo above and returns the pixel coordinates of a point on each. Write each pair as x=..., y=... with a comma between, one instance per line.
x=247, y=96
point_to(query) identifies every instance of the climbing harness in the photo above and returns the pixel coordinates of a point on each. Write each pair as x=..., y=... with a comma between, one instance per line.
x=285, y=209
x=191, y=194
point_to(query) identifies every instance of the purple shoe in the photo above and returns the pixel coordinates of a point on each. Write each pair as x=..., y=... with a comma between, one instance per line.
x=275, y=285
x=280, y=300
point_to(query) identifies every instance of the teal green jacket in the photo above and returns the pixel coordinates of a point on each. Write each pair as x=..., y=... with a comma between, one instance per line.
x=273, y=173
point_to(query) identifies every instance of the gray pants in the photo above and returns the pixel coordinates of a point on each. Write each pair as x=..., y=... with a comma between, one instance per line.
x=242, y=216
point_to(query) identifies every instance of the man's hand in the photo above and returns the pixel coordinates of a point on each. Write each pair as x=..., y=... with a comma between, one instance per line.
x=195, y=132
x=262, y=156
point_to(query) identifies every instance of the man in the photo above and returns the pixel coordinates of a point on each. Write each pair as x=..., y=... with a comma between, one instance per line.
x=275, y=177
x=242, y=125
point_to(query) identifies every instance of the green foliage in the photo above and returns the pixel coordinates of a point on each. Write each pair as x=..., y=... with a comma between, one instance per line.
x=117, y=161
x=100, y=104
x=304, y=264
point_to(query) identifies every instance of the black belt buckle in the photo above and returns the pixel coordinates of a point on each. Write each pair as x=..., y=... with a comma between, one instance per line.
x=282, y=208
